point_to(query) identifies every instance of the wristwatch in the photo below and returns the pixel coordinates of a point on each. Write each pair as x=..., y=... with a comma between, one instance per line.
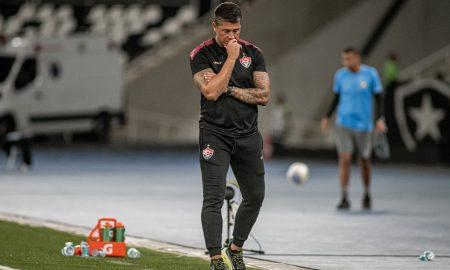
x=229, y=90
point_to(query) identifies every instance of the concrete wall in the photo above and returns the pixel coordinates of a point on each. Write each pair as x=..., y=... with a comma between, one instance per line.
x=278, y=26
x=422, y=27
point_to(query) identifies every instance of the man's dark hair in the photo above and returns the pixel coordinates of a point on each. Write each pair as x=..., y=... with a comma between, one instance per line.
x=228, y=12
x=351, y=50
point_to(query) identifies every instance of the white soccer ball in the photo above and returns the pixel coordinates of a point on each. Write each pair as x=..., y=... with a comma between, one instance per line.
x=298, y=173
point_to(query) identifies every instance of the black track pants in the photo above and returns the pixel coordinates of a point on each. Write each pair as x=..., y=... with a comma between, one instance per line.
x=244, y=154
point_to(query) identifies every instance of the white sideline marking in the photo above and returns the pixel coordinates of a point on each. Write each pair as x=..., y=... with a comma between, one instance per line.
x=121, y=263
x=7, y=268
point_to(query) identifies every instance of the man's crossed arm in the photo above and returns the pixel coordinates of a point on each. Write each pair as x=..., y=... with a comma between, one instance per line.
x=259, y=95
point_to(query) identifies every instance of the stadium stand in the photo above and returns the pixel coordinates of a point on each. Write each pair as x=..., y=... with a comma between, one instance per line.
x=133, y=27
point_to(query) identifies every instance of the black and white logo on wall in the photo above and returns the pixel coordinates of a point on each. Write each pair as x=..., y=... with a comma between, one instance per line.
x=420, y=110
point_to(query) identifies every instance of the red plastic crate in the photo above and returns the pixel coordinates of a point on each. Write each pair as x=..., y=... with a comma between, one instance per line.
x=112, y=249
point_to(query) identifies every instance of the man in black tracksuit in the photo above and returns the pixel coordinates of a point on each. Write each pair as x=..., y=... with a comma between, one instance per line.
x=232, y=78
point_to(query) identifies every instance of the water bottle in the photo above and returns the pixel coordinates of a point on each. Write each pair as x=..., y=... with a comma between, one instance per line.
x=107, y=233
x=98, y=253
x=77, y=250
x=429, y=255
x=423, y=258
x=68, y=249
x=120, y=232
x=84, y=249
x=133, y=253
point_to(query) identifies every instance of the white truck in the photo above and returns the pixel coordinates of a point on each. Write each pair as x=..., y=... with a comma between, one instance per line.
x=65, y=86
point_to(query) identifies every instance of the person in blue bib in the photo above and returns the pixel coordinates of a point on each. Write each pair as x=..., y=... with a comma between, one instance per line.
x=355, y=87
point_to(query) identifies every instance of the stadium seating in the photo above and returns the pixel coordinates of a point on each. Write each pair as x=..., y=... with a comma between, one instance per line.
x=132, y=27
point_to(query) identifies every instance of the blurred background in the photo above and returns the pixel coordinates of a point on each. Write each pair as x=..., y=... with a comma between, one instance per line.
x=117, y=72
x=97, y=99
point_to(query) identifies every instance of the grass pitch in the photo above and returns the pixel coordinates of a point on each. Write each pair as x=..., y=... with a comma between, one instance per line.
x=35, y=248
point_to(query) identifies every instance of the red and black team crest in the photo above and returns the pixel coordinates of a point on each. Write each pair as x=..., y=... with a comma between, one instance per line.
x=208, y=152
x=245, y=61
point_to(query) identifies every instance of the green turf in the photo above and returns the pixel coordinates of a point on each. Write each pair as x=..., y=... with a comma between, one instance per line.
x=24, y=247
